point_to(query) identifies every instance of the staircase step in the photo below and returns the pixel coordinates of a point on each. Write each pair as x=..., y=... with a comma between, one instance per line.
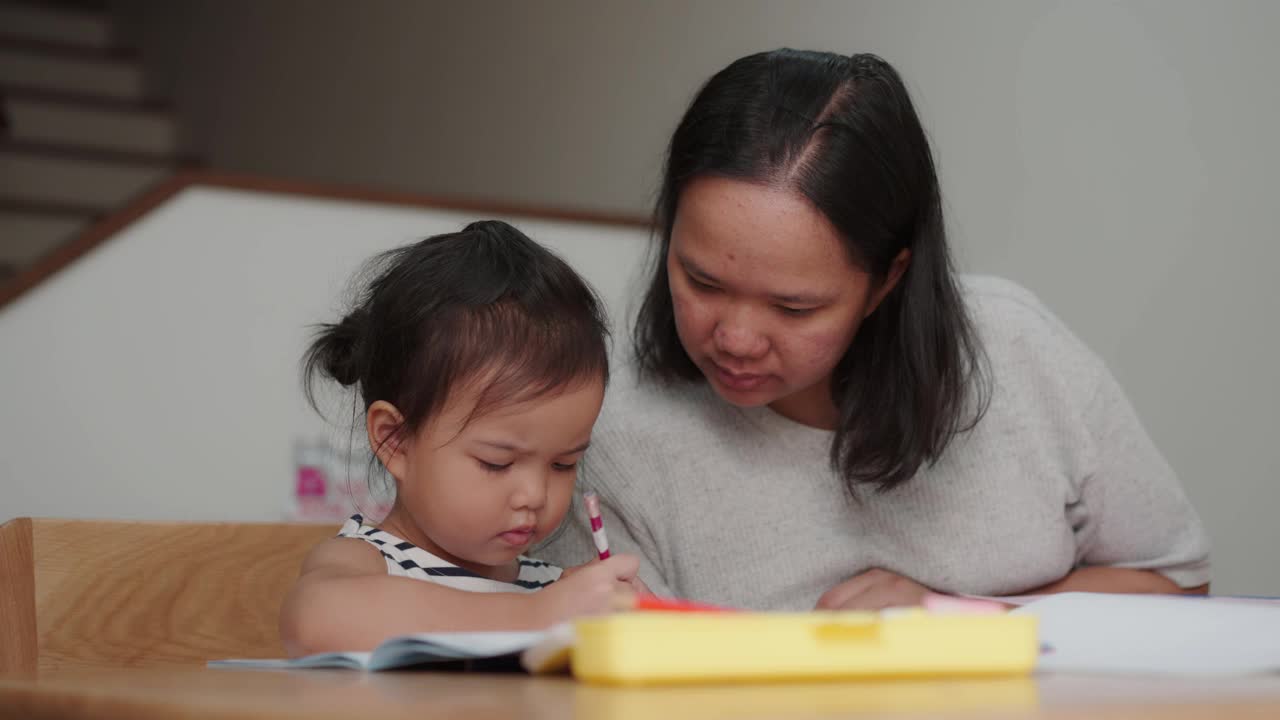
x=102, y=155
x=63, y=178
x=30, y=235
x=48, y=209
x=84, y=74
x=22, y=42
x=46, y=117
x=69, y=27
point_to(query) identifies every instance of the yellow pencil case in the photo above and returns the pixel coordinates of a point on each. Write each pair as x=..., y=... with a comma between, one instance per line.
x=644, y=648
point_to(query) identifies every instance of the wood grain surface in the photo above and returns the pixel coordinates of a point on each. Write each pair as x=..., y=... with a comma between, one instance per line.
x=110, y=594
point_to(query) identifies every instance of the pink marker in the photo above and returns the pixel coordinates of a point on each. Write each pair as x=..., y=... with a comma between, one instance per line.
x=597, y=524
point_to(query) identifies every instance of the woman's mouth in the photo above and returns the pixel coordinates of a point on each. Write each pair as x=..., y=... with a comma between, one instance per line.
x=739, y=381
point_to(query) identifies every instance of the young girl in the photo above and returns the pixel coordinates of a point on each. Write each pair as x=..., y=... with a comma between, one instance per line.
x=481, y=361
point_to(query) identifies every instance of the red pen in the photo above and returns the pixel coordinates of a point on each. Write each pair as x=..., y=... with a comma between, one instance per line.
x=653, y=602
x=597, y=524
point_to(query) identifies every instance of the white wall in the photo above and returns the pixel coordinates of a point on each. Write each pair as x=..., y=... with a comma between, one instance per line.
x=158, y=377
x=1116, y=157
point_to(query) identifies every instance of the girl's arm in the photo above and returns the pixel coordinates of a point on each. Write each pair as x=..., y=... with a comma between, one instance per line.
x=344, y=600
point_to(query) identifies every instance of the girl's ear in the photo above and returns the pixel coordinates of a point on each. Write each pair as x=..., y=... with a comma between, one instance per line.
x=385, y=425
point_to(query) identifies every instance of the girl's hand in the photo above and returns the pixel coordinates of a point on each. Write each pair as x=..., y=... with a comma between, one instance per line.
x=874, y=589
x=590, y=589
x=636, y=583
x=638, y=586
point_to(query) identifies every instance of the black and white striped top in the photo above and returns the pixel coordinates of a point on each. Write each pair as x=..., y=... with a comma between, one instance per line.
x=408, y=560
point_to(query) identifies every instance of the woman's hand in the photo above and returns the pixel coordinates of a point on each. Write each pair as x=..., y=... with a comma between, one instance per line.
x=590, y=589
x=1116, y=580
x=874, y=589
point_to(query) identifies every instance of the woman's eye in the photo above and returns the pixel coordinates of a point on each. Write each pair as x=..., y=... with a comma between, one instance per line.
x=699, y=285
x=493, y=467
x=564, y=467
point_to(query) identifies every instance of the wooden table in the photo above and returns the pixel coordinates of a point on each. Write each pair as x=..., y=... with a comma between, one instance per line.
x=143, y=694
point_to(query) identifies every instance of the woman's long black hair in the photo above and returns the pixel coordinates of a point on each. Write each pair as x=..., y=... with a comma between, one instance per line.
x=840, y=131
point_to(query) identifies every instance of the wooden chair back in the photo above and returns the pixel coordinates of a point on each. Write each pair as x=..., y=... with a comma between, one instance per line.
x=86, y=593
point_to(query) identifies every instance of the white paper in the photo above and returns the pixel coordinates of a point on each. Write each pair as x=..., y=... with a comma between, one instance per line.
x=435, y=647
x=343, y=660
x=425, y=648
x=1163, y=634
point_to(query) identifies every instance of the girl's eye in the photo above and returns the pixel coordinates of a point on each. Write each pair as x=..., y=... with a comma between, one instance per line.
x=492, y=467
x=795, y=312
x=564, y=467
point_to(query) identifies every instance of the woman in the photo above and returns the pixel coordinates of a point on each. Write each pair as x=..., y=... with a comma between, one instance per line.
x=819, y=412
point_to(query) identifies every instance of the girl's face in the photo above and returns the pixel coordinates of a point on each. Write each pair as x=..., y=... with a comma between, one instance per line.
x=766, y=297
x=480, y=493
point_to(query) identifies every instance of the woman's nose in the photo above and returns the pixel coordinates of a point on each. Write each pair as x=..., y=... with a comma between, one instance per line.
x=736, y=335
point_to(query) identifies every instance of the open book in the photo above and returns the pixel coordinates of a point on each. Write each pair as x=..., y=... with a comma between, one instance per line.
x=542, y=651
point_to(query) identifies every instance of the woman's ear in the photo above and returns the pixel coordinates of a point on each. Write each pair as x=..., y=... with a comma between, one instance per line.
x=896, y=269
x=385, y=425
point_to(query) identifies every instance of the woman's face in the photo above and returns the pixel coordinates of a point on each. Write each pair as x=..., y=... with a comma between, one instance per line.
x=766, y=297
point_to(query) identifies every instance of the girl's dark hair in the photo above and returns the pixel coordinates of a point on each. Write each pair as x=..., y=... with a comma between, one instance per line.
x=842, y=133
x=486, y=304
